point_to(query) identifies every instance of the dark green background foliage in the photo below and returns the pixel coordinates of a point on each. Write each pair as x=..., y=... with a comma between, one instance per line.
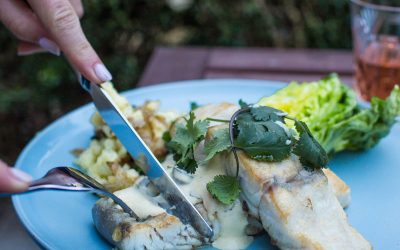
x=37, y=89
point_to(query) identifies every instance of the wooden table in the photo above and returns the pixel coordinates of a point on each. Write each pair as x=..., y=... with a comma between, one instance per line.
x=184, y=63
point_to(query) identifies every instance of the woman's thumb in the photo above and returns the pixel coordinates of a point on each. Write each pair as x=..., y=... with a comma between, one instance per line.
x=12, y=179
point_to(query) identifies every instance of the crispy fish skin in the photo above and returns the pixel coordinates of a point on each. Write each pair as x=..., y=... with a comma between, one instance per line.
x=162, y=231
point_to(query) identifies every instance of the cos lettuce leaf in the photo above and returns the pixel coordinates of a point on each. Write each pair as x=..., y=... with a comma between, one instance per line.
x=334, y=117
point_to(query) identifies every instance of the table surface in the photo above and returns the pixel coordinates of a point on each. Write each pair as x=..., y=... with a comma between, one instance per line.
x=185, y=63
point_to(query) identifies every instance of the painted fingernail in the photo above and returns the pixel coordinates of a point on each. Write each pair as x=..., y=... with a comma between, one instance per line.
x=49, y=45
x=21, y=176
x=102, y=72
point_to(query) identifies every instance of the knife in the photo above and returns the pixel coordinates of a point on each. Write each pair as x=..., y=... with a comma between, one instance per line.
x=127, y=135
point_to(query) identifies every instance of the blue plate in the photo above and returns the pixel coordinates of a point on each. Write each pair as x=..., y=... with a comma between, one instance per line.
x=62, y=220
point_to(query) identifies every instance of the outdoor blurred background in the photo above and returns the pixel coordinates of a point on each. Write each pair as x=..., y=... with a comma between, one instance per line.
x=35, y=90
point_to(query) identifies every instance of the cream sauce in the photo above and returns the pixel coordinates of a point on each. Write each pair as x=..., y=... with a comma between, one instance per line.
x=232, y=219
x=140, y=203
x=233, y=226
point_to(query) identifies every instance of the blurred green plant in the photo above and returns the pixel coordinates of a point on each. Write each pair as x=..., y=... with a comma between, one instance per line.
x=37, y=89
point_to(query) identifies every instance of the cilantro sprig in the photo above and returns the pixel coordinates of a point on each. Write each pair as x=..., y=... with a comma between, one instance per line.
x=262, y=133
x=219, y=142
x=183, y=143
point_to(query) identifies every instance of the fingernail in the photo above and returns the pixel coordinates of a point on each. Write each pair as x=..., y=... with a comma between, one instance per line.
x=21, y=176
x=49, y=45
x=102, y=72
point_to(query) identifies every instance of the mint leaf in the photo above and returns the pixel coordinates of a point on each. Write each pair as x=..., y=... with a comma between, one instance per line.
x=224, y=188
x=220, y=142
x=184, y=141
x=311, y=153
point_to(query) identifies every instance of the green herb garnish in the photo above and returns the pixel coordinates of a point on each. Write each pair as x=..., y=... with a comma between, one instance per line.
x=194, y=105
x=224, y=188
x=260, y=132
x=311, y=153
x=243, y=104
x=220, y=142
x=185, y=140
x=262, y=135
x=166, y=136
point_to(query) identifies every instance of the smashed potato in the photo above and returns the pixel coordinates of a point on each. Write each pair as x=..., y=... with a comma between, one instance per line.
x=106, y=160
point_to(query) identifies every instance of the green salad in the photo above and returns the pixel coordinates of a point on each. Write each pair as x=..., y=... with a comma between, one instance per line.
x=333, y=115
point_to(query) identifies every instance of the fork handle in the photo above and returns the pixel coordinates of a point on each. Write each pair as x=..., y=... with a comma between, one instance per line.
x=47, y=187
x=41, y=185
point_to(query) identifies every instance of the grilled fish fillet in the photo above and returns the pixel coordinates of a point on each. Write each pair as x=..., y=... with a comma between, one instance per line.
x=224, y=111
x=158, y=230
x=298, y=208
x=162, y=231
x=339, y=187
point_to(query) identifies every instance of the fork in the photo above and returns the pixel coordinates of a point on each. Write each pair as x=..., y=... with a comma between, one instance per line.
x=70, y=179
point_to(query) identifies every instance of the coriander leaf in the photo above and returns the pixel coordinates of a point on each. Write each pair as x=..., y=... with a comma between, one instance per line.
x=194, y=105
x=181, y=141
x=224, y=188
x=262, y=139
x=311, y=153
x=243, y=104
x=182, y=148
x=267, y=114
x=186, y=137
x=244, y=118
x=198, y=129
x=251, y=133
x=187, y=162
x=220, y=141
x=166, y=136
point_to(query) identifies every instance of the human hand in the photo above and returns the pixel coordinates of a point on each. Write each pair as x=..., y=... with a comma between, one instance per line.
x=53, y=26
x=12, y=179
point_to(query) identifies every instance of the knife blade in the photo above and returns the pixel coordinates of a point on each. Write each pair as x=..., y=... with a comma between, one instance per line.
x=119, y=124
